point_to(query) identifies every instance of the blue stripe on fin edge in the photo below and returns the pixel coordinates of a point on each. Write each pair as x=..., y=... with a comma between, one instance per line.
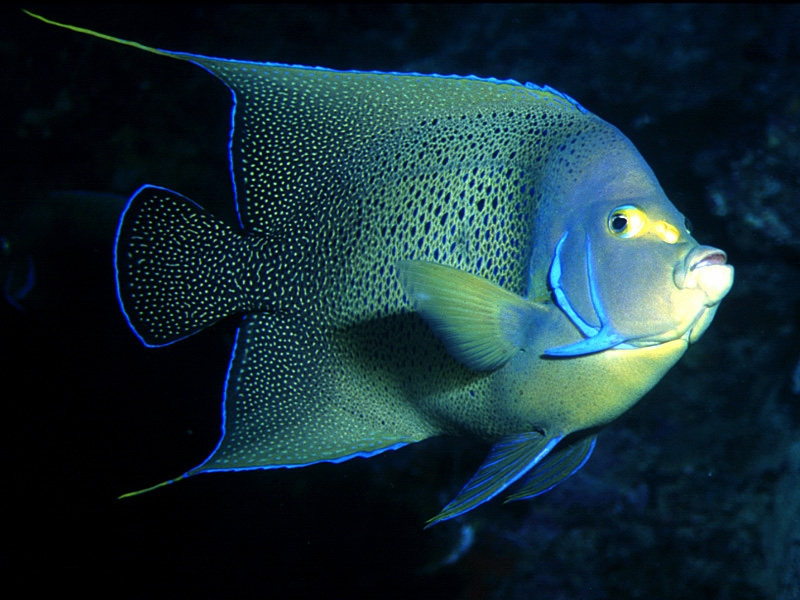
x=554, y=468
x=508, y=460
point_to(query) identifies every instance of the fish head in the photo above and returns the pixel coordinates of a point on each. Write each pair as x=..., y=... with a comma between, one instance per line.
x=626, y=270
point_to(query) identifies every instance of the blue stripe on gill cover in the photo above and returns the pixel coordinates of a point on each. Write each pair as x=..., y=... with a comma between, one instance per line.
x=597, y=339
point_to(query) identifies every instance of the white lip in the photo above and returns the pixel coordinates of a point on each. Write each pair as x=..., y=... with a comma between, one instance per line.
x=707, y=257
x=705, y=269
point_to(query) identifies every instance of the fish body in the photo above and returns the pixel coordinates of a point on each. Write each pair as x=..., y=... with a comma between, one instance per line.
x=421, y=255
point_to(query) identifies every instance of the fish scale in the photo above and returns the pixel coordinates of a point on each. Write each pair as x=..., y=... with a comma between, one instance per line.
x=421, y=255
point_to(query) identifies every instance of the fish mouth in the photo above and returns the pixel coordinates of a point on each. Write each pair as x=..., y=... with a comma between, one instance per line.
x=705, y=269
x=706, y=257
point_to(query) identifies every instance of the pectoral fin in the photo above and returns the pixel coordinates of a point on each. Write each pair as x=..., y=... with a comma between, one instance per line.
x=509, y=459
x=481, y=324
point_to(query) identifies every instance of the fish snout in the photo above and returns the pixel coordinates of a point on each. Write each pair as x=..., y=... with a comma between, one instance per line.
x=705, y=268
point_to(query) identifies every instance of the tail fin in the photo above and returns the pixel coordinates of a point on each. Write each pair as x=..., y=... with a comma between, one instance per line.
x=178, y=268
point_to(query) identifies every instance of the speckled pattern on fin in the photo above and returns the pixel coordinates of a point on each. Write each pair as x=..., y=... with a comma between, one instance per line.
x=481, y=324
x=282, y=409
x=509, y=459
x=564, y=461
x=175, y=263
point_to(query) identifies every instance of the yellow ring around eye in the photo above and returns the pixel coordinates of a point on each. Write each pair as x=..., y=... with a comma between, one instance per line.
x=626, y=221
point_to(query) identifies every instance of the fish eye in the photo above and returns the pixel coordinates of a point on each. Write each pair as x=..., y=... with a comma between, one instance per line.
x=626, y=221
x=688, y=225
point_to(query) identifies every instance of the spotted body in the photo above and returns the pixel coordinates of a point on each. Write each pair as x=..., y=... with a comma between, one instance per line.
x=421, y=255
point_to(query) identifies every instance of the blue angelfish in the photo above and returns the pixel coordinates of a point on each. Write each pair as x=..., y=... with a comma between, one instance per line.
x=421, y=255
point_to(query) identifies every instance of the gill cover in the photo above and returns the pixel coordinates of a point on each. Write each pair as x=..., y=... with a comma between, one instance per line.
x=597, y=338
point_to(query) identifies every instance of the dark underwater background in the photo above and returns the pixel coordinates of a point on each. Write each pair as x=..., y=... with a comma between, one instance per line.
x=695, y=493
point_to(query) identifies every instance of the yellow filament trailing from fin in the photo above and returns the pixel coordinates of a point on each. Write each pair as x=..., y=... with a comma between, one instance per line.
x=151, y=488
x=147, y=49
x=101, y=35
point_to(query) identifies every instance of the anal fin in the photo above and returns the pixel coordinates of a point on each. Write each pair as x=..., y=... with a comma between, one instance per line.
x=282, y=409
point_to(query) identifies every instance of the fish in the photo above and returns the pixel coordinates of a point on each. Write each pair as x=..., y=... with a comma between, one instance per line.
x=420, y=255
